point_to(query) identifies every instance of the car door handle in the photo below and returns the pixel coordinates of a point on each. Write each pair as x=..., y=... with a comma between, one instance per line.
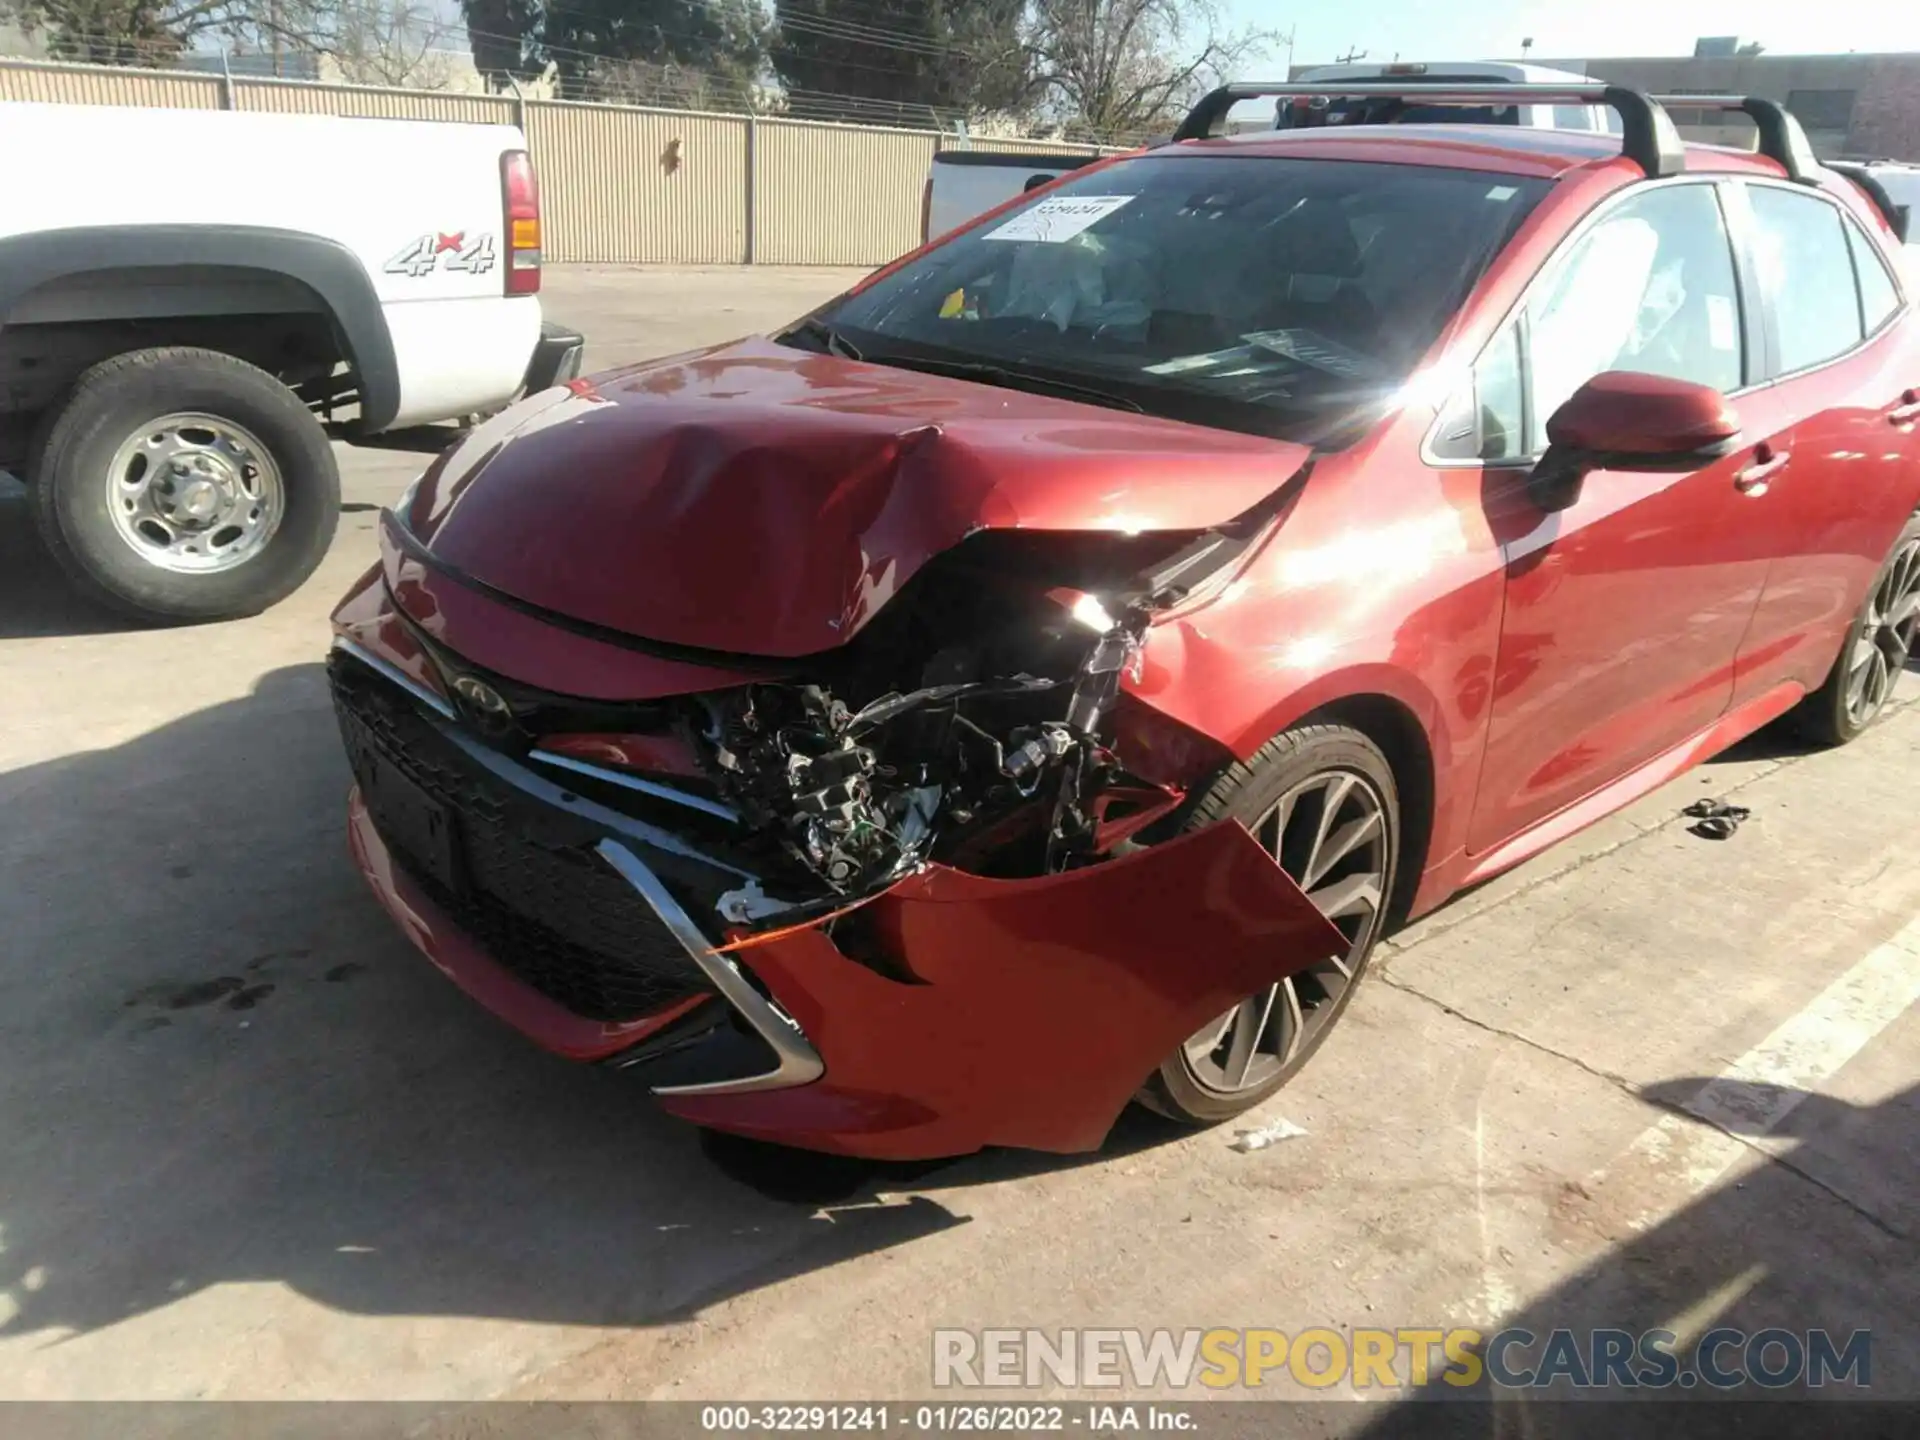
x=1753, y=480
x=1907, y=411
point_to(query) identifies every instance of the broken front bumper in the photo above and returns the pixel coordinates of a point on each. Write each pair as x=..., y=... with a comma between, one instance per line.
x=949, y=1012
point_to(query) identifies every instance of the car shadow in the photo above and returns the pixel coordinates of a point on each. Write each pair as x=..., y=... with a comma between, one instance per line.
x=36, y=599
x=1778, y=741
x=1820, y=1239
x=221, y=1063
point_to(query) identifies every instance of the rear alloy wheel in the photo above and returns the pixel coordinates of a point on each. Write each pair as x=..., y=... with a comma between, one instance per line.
x=1322, y=800
x=1878, y=645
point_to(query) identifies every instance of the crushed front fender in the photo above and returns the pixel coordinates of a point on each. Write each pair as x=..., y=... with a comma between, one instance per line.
x=1018, y=1012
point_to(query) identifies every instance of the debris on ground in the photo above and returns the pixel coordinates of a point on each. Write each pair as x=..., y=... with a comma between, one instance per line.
x=1715, y=819
x=1247, y=1141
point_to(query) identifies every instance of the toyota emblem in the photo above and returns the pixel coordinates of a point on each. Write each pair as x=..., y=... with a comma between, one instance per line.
x=486, y=703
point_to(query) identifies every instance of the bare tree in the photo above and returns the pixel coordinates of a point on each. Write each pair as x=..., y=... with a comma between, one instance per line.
x=117, y=32
x=1119, y=69
x=383, y=42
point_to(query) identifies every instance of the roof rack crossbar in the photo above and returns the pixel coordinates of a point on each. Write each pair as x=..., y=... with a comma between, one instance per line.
x=1648, y=137
x=1781, y=137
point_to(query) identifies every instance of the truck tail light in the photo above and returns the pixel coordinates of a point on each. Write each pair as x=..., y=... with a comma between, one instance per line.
x=520, y=193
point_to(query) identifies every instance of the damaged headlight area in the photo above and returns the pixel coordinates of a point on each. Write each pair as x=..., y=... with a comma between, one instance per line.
x=971, y=721
x=997, y=742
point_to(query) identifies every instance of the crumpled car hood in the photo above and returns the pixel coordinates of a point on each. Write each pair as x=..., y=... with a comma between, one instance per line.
x=769, y=501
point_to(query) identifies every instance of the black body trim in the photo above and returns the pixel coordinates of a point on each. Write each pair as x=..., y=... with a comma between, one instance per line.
x=327, y=268
x=1033, y=160
x=1896, y=215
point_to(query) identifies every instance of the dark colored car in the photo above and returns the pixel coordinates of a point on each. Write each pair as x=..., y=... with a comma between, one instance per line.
x=1036, y=679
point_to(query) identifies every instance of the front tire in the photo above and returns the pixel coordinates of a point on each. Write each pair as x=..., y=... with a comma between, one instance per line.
x=1879, y=642
x=1322, y=799
x=181, y=485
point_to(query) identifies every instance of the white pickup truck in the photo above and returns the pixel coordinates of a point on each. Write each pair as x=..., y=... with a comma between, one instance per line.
x=191, y=302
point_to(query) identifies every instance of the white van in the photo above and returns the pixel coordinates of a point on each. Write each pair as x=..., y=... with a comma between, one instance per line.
x=1299, y=112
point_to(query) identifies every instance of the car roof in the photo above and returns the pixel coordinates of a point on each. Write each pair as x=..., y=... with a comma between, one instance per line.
x=1499, y=149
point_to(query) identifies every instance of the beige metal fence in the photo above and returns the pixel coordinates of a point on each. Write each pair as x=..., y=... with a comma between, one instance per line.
x=640, y=186
x=836, y=194
x=620, y=185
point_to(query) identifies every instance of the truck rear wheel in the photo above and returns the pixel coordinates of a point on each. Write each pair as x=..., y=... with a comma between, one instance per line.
x=183, y=485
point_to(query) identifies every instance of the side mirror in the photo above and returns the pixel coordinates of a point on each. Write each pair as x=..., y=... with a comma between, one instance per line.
x=1624, y=420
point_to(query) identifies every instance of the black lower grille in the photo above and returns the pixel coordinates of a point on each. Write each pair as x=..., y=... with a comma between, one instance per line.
x=518, y=876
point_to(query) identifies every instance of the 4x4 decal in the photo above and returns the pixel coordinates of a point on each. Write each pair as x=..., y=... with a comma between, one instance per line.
x=423, y=256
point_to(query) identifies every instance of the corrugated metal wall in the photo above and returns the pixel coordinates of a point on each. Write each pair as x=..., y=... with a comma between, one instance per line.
x=836, y=194
x=623, y=186
x=291, y=97
x=619, y=185
x=101, y=85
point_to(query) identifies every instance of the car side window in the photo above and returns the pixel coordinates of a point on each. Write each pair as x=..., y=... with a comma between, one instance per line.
x=1879, y=297
x=1806, y=273
x=1486, y=419
x=1650, y=287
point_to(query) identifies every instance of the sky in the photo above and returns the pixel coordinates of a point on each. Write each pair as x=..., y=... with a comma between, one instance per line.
x=1325, y=30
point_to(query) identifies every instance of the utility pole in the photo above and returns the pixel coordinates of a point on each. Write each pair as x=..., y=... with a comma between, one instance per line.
x=1351, y=56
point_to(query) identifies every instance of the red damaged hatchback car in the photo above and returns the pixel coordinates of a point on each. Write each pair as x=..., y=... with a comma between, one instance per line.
x=1035, y=680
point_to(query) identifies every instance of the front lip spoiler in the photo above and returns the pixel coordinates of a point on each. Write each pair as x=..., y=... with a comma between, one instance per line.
x=797, y=1063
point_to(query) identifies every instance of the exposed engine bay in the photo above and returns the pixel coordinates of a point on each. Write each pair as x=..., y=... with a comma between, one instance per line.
x=861, y=796
x=996, y=754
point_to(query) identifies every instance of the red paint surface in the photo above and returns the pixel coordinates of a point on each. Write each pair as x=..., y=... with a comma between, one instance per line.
x=647, y=754
x=1643, y=415
x=1042, y=1004
x=768, y=501
x=1532, y=671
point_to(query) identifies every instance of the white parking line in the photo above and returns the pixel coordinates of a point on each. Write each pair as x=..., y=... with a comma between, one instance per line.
x=1674, y=1161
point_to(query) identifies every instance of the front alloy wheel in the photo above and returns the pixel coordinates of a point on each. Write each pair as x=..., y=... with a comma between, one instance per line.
x=1321, y=799
x=1330, y=835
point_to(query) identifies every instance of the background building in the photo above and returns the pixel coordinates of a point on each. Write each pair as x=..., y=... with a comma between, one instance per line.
x=1853, y=106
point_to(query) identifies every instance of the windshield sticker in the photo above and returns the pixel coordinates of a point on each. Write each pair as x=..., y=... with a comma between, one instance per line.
x=1312, y=348
x=1502, y=192
x=1057, y=219
x=1184, y=363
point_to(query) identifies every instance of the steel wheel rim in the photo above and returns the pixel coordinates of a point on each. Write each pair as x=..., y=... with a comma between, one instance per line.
x=194, y=494
x=1880, y=651
x=1329, y=833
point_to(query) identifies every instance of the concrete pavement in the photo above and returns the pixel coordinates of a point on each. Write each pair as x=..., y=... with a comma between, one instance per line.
x=255, y=1148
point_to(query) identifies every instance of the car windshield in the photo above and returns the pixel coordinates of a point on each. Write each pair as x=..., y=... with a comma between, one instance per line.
x=1278, y=296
